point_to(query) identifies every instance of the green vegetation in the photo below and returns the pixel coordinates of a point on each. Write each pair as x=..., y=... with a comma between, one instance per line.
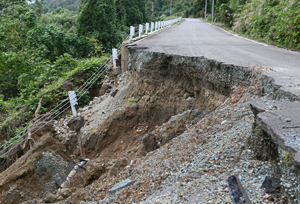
x=71, y=5
x=61, y=18
x=39, y=57
x=131, y=12
x=131, y=100
x=275, y=21
x=97, y=19
x=287, y=158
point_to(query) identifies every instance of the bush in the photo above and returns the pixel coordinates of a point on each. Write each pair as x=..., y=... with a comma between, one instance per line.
x=274, y=21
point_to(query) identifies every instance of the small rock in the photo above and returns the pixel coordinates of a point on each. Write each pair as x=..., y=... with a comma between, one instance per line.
x=76, y=123
x=267, y=184
x=118, y=166
x=223, y=122
x=95, y=168
x=49, y=198
x=147, y=98
x=65, y=192
x=195, y=174
x=150, y=142
x=288, y=120
x=122, y=184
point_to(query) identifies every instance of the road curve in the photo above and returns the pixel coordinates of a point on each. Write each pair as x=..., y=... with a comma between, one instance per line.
x=195, y=37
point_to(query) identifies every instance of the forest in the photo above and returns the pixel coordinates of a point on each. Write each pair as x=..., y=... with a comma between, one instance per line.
x=44, y=44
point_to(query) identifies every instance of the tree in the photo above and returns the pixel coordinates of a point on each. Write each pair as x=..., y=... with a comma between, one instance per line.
x=39, y=7
x=61, y=18
x=97, y=19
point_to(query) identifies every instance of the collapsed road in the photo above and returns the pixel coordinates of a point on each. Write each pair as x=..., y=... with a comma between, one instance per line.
x=181, y=125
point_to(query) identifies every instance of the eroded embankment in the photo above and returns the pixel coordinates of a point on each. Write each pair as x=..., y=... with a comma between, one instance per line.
x=164, y=86
x=201, y=73
x=165, y=97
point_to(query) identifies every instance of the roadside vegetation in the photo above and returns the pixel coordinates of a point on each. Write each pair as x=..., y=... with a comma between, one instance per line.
x=273, y=21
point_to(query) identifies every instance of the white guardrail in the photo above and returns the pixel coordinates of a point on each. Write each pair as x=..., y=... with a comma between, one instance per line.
x=154, y=27
x=74, y=96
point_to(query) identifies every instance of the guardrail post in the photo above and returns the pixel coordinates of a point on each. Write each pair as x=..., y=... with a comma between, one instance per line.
x=152, y=25
x=73, y=102
x=115, y=57
x=140, y=30
x=147, y=28
x=132, y=29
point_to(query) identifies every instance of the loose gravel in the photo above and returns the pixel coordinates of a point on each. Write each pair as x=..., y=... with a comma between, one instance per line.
x=213, y=149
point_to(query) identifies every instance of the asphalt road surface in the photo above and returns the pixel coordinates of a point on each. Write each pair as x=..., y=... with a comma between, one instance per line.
x=194, y=37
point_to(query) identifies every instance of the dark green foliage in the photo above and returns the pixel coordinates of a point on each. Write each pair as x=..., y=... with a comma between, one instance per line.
x=97, y=19
x=39, y=7
x=131, y=12
x=225, y=15
x=71, y=5
x=61, y=18
x=30, y=19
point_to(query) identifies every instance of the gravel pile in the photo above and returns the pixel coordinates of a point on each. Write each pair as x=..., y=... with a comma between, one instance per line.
x=194, y=167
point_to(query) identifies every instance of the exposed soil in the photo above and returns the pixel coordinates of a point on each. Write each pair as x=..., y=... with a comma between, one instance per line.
x=152, y=124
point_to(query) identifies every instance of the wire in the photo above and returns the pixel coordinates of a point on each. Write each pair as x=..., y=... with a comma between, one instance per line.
x=34, y=124
x=33, y=133
x=12, y=143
